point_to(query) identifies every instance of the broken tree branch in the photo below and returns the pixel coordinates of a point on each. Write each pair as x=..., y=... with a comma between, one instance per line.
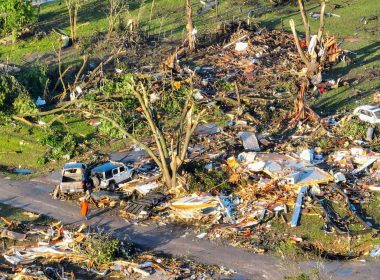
x=297, y=43
x=305, y=21
x=321, y=21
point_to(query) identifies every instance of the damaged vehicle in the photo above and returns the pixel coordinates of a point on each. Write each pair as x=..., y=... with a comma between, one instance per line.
x=108, y=175
x=74, y=177
x=368, y=113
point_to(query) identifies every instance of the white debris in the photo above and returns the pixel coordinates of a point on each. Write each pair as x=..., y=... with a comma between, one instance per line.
x=339, y=177
x=241, y=46
x=307, y=155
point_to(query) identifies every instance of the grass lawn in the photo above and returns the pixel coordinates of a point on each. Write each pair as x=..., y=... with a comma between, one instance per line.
x=20, y=146
x=310, y=230
x=167, y=19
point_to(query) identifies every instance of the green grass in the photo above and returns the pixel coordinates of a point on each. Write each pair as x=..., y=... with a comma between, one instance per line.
x=310, y=230
x=18, y=215
x=167, y=21
x=22, y=145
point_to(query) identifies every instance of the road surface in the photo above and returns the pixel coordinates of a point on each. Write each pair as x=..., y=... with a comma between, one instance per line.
x=33, y=195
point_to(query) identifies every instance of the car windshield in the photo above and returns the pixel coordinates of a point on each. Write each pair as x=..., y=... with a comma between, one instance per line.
x=377, y=114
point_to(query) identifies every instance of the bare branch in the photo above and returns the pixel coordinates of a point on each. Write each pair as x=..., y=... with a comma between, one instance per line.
x=297, y=43
x=305, y=21
x=321, y=21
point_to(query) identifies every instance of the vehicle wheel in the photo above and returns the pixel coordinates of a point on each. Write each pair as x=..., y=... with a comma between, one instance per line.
x=112, y=186
x=96, y=181
x=134, y=176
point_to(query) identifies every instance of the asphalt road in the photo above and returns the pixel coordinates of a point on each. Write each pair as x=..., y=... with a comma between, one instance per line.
x=174, y=240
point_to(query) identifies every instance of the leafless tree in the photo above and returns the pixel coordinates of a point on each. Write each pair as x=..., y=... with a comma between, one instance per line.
x=115, y=9
x=189, y=26
x=73, y=7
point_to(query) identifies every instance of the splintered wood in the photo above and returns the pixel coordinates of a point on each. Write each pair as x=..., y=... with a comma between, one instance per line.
x=302, y=110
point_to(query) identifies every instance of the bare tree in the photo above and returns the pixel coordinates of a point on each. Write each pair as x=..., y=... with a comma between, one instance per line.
x=305, y=21
x=190, y=26
x=115, y=9
x=73, y=7
x=313, y=62
x=170, y=149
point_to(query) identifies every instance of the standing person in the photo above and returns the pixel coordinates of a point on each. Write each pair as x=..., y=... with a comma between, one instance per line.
x=84, y=205
x=89, y=186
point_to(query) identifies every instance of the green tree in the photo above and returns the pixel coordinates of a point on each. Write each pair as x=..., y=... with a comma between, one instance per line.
x=14, y=15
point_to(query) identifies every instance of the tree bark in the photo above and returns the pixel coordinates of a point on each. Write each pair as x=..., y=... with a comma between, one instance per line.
x=305, y=21
x=189, y=26
x=321, y=21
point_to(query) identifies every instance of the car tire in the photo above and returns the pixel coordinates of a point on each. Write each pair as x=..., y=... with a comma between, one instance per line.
x=112, y=186
x=134, y=176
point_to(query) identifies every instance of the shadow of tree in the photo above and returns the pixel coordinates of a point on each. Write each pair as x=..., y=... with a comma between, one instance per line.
x=363, y=58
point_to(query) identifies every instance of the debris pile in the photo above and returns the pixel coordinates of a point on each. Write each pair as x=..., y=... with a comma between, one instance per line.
x=55, y=251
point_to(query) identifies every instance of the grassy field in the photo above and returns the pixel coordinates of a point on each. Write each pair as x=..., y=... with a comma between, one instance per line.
x=326, y=245
x=355, y=36
x=166, y=20
x=20, y=146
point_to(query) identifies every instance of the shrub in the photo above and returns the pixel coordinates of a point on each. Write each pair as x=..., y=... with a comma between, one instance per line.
x=61, y=144
x=14, y=98
x=34, y=78
x=205, y=181
x=354, y=129
x=100, y=248
x=15, y=14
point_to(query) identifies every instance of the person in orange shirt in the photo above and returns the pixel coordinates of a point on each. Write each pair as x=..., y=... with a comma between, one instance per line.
x=84, y=205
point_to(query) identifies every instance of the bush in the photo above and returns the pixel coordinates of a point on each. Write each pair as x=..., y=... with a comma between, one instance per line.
x=14, y=98
x=205, y=181
x=15, y=14
x=24, y=104
x=100, y=248
x=61, y=144
x=354, y=129
x=34, y=78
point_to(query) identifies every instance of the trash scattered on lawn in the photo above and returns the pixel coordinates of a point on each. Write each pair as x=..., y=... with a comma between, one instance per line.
x=301, y=165
x=70, y=253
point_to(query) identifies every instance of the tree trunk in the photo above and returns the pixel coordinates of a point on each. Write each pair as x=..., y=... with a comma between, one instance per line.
x=189, y=26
